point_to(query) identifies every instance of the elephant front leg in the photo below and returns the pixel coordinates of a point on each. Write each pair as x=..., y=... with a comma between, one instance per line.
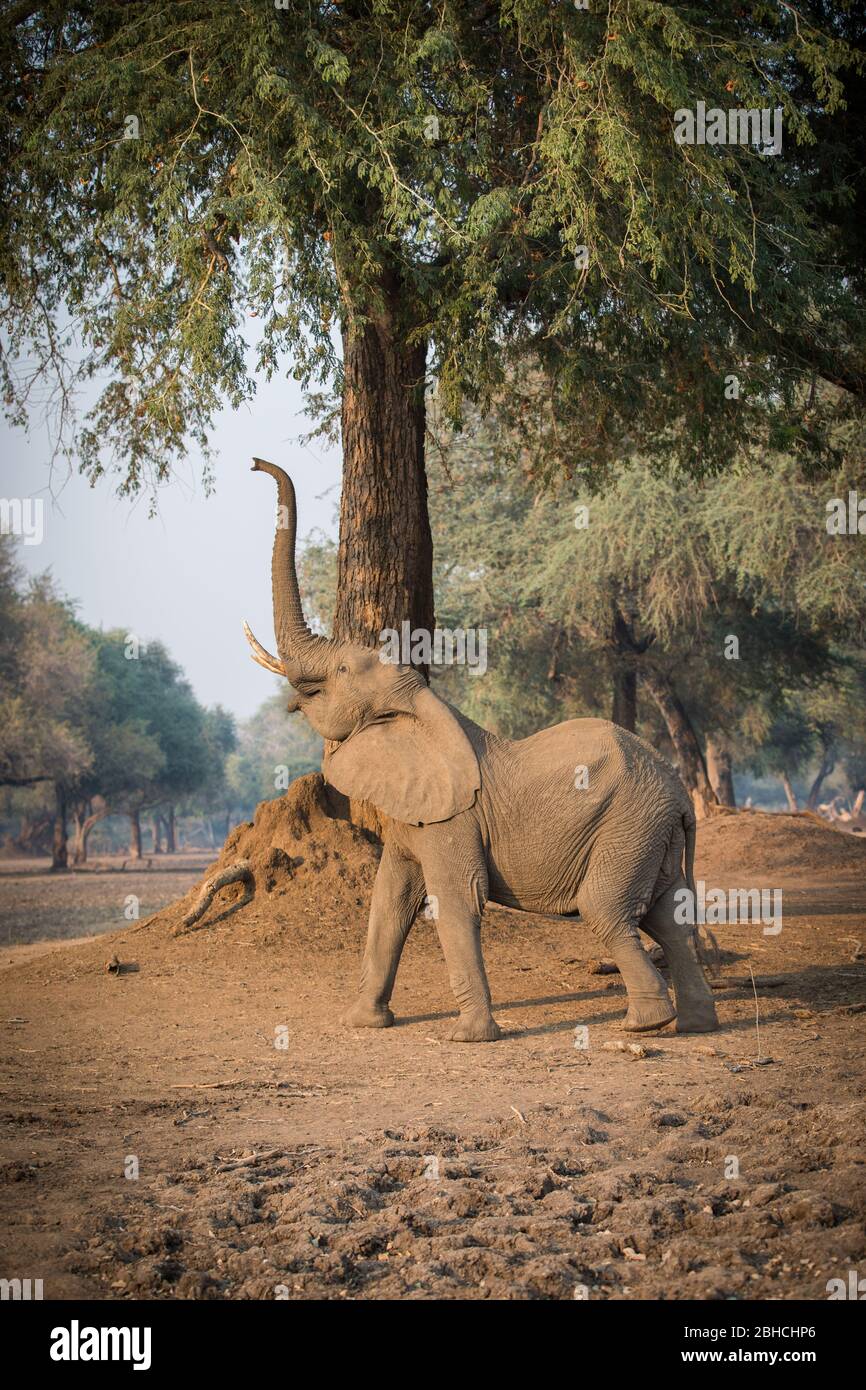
x=397, y=895
x=458, y=924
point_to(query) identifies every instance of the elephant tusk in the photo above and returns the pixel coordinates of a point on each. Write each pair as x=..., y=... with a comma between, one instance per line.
x=261, y=656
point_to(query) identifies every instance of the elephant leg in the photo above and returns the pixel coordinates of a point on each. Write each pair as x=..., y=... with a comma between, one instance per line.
x=397, y=895
x=649, y=1004
x=458, y=922
x=696, y=1009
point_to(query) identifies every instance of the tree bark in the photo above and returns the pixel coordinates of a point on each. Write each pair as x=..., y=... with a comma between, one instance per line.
x=828, y=762
x=60, y=844
x=624, y=711
x=157, y=833
x=85, y=818
x=34, y=835
x=721, y=773
x=171, y=832
x=134, y=834
x=626, y=648
x=385, y=558
x=791, y=795
x=693, y=768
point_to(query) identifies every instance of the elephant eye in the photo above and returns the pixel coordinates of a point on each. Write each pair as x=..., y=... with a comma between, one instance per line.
x=342, y=670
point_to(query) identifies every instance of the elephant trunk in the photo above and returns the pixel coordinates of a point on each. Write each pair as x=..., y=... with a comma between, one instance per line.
x=302, y=652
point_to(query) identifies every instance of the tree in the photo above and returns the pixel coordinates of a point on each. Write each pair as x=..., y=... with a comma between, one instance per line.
x=271, y=752
x=721, y=600
x=456, y=186
x=214, y=793
x=125, y=756
x=148, y=693
x=46, y=673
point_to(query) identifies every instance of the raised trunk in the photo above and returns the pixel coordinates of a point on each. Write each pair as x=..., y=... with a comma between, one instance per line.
x=59, y=846
x=134, y=835
x=693, y=769
x=385, y=561
x=720, y=773
x=791, y=795
x=624, y=711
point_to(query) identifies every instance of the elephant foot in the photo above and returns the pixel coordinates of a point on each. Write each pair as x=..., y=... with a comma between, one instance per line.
x=644, y=1015
x=697, y=1018
x=365, y=1015
x=476, y=1028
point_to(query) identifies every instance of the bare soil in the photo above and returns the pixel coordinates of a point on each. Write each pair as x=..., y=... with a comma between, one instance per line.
x=201, y=1125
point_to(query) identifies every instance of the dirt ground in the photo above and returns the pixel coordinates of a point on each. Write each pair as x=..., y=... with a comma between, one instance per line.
x=201, y=1125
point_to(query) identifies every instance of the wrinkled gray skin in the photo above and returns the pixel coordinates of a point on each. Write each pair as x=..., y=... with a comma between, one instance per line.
x=474, y=818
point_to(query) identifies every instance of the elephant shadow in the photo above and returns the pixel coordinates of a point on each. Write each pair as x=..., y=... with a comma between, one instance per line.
x=795, y=989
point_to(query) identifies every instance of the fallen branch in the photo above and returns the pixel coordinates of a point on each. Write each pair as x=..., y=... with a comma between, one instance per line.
x=235, y=873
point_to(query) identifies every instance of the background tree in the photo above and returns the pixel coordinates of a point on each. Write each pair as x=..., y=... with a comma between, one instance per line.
x=125, y=754
x=693, y=589
x=46, y=677
x=455, y=187
x=272, y=751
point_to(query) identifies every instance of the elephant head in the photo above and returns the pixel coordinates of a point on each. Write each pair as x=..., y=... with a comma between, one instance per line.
x=392, y=741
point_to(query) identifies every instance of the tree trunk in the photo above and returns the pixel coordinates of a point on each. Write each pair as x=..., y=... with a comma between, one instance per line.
x=79, y=851
x=134, y=835
x=828, y=762
x=793, y=804
x=60, y=846
x=693, y=769
x=34, y=836
x=157, y=833
x=624, y=710
x=87, y=814
x=721, y=773
x=171, y=832
x=385, y=559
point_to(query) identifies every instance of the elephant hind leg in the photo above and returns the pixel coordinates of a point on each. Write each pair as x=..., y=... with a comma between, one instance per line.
x=696, y=1009
x=649, y=1004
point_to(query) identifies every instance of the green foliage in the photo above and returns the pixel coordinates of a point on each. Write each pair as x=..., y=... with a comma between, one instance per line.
x=295, y=164
x=46, y=670
x=80, y=710
x=273, y=749
x=684, y=565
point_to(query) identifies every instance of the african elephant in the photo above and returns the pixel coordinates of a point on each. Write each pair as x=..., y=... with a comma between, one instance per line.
x=473, y=818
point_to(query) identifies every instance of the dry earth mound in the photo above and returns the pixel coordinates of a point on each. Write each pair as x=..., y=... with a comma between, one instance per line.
x=764, y=845
x=311, y=869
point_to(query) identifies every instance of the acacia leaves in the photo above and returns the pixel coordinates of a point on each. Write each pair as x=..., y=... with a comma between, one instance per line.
x=506, y=172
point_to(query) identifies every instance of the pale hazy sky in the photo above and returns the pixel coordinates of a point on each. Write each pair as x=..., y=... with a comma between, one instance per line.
x=202, y=565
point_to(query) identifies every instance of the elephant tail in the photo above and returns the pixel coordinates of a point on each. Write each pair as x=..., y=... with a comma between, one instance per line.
x=689, y=824
x=706, y=944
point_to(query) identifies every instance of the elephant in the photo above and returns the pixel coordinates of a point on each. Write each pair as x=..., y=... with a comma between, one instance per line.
x=581, y=819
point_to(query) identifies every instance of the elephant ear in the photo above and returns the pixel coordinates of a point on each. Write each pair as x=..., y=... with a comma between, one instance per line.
x=417, y=767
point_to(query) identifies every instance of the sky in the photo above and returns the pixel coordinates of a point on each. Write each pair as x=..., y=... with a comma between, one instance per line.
x=194, y=572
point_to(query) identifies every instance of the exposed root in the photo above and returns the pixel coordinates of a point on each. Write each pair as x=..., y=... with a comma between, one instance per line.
x=239, y=872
